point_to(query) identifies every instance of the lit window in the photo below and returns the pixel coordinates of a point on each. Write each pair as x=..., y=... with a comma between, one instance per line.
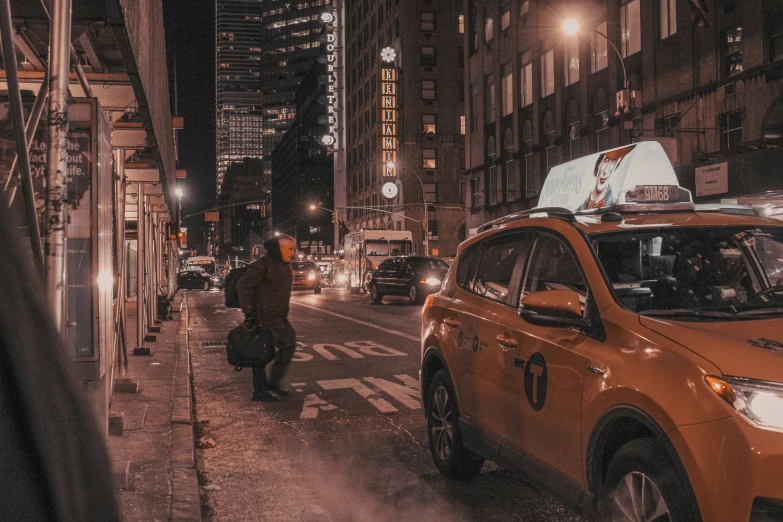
x=630, y=28
x=461, y=24
x=547, y=73
x=524, y=7
x=600, y=58
x=668, y=11
x=430, y=158
x=428, y=123
x=505, y=14
x=489, y=98
x=507, y=89
x=462, y=124
x=526, y=79
x=488, y=24
x=732, y=51
x=571, y=61
x=428, y=90
x=428, y=22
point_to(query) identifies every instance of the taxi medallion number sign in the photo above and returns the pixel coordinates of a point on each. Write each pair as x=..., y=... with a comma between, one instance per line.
x=656, y=194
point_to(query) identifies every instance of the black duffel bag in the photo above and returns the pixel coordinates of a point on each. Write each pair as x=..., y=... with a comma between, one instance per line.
x=248, y=347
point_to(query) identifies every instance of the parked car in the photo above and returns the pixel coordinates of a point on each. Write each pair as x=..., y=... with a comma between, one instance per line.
x=412, y=276
x=194, y=279
x=306, y=276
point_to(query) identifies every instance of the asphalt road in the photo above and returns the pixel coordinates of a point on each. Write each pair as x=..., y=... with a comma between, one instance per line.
x=350, y=444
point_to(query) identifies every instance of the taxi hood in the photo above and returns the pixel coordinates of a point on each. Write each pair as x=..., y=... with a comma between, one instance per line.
x=750, y=349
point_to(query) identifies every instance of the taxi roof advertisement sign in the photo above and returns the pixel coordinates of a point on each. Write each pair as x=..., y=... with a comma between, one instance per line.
x=602, y=179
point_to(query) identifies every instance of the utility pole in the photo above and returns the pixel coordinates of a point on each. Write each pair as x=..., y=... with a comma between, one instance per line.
x=55, y=215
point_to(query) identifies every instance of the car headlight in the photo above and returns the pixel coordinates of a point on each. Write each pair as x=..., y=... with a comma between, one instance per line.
x=341, y=278
x=311, y=276
x=432, y=281
x=761, y=402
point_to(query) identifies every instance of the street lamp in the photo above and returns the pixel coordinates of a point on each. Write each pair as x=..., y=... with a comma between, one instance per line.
x=178, y=191
x=571, y=27
x=426, y=223
x=335, y=220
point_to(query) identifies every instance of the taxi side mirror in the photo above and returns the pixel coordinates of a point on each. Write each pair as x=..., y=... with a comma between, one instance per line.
x=556, y=308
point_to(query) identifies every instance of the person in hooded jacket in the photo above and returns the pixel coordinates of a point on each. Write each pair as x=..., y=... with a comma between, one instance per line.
x=264, y=294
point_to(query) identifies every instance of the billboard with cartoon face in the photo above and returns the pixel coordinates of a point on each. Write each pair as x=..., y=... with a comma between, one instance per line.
x=602, y=179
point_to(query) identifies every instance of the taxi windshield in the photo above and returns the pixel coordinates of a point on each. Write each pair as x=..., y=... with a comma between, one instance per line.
x=695, y=272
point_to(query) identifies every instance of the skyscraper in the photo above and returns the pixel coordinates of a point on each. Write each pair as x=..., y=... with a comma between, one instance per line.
x=289, y=39
x=238, y=92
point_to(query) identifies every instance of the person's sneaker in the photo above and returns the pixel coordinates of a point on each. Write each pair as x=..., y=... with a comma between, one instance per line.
x=280, y=391
x=264, y=396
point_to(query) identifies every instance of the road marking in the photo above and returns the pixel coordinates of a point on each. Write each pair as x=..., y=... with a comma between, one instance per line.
x=405, y=394
x=381, y=405
x=312, y=404
x=372, y=348
x=322, y=349
x=357, y=321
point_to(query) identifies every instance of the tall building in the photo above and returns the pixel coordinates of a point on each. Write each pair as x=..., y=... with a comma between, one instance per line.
x=417, y=110
x=303, y=175
x=238, y=92
x=289, y=40
x=243, y=226
x=710, y=90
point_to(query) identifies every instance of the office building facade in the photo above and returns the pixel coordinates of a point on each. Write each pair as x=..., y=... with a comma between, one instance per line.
x=238, y=91
x=289, y=39
x=707, y=85
x=303, y=175
x=426, y=132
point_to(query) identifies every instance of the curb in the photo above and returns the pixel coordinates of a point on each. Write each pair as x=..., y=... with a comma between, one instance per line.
x=185, y=493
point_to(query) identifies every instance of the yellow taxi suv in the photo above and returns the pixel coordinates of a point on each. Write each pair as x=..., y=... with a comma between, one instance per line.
x=619, y=347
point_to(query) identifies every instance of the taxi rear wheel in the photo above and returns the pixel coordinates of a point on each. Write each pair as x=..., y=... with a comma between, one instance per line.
x=642, y=485
x=450, y=456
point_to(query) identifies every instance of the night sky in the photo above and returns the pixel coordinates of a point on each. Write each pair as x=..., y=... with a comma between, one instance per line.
x=190, y=35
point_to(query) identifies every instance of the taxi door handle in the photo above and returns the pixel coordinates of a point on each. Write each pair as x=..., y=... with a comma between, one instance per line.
x=506, y=342
x=451, y=323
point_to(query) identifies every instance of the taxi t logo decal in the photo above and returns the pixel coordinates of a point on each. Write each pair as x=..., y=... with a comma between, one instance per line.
x=536, y=381
x=475, y=343
x=460, y=338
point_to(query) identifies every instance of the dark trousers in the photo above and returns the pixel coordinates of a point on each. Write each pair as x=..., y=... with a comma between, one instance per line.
x=285, y=344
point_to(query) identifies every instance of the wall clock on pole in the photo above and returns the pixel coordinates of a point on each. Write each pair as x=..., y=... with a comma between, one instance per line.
x=389, y=190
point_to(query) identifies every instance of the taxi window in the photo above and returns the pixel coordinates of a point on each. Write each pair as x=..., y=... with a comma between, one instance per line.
x=552, y=267
x=495, y=270
x=698, y=272
x=464, y=263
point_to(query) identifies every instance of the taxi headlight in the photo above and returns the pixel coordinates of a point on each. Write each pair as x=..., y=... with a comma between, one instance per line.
x=432, y=281
x=341, y=278
x=761, y=402
x=311, y=276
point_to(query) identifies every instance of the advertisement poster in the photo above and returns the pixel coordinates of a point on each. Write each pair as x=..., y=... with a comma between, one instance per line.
x=601, y=179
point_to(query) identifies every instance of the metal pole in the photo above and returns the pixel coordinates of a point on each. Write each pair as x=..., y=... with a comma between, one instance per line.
x=140, y=267
x=426, y=224
x=32, y=125
x=17, y=116
x=56, y=180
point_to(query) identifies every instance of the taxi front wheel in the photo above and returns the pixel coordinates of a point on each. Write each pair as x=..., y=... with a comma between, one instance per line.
x=450, y=456
x=643, y=485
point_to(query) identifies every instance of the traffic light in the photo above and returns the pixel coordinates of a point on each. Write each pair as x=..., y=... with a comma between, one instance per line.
x=335, y=217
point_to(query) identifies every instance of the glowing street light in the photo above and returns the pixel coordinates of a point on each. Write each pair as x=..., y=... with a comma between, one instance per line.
x=571, y=26
x=179, y=192
x=312, y=207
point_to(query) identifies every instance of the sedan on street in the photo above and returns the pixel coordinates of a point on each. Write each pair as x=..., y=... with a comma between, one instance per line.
x=194, y=279
x=413, y=276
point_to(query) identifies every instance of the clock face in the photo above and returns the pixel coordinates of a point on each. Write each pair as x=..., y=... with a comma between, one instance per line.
x=389, y=190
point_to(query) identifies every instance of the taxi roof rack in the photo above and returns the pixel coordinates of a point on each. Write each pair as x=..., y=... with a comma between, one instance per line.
x=553, y=212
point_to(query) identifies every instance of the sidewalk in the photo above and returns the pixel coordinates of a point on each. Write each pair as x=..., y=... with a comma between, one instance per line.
x=154, y=459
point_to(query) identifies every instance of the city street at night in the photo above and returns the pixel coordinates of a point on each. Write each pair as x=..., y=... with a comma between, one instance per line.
x=350, y=443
